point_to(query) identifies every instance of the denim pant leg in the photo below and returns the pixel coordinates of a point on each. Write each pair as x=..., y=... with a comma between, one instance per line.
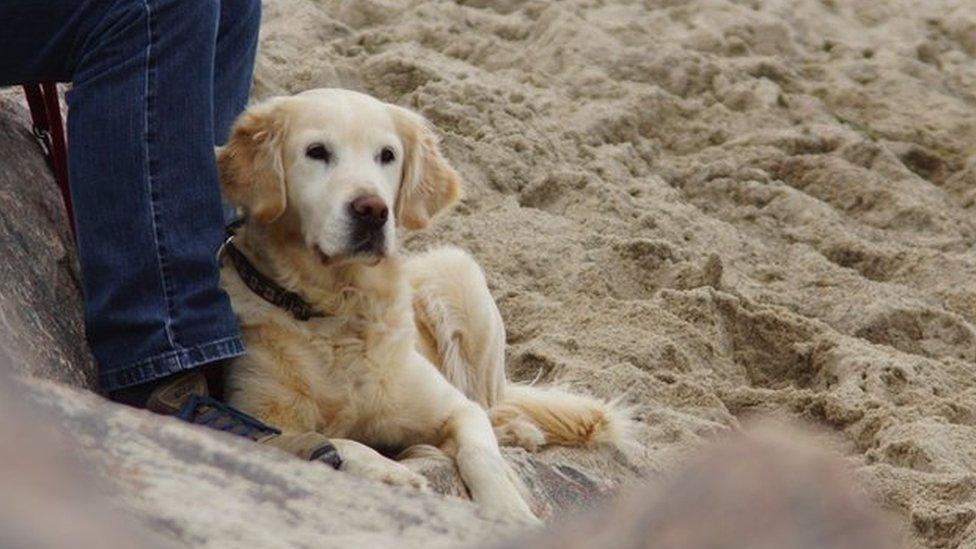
x=143, y=100
x=40, y=40
x=237, y=41
x=142, y=172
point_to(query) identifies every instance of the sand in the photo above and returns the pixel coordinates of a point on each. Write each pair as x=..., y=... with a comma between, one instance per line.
x=716, y=208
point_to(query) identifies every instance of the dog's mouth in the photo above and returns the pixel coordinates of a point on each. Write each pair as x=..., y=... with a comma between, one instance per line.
x=367, y=246
x=323, y=257
x=369, y=254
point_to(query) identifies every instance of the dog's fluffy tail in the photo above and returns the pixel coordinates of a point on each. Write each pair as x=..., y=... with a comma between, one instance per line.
x=531, y=416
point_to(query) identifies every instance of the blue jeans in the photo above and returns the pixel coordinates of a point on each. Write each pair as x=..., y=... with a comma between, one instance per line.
x=156, y=84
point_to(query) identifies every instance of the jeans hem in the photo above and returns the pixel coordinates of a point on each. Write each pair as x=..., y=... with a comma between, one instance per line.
x=171, y=362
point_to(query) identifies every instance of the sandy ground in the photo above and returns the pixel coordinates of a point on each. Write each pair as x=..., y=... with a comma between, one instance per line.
x=718, y=208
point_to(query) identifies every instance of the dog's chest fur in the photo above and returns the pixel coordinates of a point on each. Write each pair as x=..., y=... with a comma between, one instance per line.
x=333, y=374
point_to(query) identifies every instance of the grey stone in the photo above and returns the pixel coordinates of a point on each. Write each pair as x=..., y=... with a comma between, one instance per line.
x=762, y=489
x=40, y=289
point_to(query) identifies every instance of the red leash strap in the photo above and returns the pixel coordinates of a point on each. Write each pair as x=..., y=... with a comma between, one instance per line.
x=45, y=109
x=35, y=100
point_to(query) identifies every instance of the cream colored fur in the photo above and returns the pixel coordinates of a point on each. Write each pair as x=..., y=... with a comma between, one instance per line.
x=411, y=351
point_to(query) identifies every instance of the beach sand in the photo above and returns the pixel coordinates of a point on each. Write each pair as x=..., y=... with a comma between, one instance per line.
x=718, y=209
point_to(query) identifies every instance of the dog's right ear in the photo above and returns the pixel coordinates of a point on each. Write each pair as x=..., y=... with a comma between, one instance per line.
x=251, y=167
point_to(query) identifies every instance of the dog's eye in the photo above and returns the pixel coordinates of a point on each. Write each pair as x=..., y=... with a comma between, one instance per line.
x=387, y=155
x=318, y=151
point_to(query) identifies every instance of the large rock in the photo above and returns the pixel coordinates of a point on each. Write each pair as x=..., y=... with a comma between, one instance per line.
x=195, y=487
x=162, y=483
x=40, y=288
x=765, y=489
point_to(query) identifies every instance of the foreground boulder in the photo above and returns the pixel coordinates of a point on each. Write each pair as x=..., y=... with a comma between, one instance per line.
x=164, y=483
x=194, y=487
x=763, y=489
x=40, y=291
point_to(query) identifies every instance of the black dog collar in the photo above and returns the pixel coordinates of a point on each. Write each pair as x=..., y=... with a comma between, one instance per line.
x=264, y=287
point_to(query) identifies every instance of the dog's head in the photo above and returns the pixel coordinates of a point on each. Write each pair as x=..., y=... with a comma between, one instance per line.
x=338, y=169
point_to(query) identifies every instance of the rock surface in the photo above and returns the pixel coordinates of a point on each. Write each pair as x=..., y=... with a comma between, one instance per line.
x=40, y=292
x=767, y=489
x=191, y=487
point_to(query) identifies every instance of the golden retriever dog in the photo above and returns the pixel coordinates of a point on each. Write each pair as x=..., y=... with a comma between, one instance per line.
x=407, y=349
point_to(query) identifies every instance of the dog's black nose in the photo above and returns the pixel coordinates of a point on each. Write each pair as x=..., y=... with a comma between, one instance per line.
x=369, y=209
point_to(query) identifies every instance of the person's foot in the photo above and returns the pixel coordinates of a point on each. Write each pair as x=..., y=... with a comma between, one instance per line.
x=187, y=397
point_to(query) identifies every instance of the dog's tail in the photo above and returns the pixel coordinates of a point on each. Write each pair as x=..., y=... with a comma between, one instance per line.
x=531, y=416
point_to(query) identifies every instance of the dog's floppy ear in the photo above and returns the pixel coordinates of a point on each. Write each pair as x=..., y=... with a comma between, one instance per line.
x=428, y=184
x=251, y=166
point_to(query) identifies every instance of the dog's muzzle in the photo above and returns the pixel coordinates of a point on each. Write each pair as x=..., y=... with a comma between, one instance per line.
x=369, y=216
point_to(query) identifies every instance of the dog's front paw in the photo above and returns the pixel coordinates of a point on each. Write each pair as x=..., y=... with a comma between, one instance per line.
x=362, y=461
x=390, y=472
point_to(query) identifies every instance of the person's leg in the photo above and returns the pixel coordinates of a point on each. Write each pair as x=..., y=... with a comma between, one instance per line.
x=237, y=42
x=39, y=41
x=144, y=183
